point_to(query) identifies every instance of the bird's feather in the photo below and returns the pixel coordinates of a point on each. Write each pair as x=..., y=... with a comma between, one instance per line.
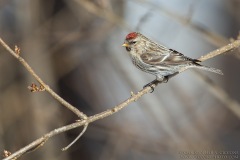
x=171, y=57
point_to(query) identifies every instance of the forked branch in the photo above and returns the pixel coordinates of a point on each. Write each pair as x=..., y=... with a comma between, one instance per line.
x=16, y=54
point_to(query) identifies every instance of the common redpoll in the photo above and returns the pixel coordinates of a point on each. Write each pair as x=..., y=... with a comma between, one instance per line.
x=157, y=59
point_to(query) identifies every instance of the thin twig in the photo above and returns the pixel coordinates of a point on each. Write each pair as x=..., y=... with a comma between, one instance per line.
x=229, y=47
x=134, y=97
x=77, y=138
x=47, y=88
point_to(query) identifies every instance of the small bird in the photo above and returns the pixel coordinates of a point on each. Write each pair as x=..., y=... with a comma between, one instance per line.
x=159, y=60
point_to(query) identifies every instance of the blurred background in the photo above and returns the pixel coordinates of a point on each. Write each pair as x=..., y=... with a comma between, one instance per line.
x=75, y=47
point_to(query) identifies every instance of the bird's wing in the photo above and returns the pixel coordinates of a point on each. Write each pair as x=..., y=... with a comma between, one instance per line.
x=169, y=57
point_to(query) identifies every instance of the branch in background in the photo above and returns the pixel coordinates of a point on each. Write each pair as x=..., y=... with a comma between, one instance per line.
x=106, y=14
x=143, y=19
x=87, y=120
x=230, y=103
x=212, y=37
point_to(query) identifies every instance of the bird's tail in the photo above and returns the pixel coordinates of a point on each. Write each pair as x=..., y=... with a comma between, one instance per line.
x=206, y=68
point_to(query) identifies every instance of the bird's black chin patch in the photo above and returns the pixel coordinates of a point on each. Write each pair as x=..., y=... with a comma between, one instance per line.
x=128, y=49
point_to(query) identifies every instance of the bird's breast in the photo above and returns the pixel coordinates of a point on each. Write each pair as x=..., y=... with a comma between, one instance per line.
x=138, y=63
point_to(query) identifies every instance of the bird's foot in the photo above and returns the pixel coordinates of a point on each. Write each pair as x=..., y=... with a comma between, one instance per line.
x=156, y=81
x=150, y=85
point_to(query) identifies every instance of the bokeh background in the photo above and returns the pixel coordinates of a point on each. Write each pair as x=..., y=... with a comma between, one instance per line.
x=75, y=47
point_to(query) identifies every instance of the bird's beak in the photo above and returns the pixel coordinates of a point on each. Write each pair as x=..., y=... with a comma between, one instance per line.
x=125, y=45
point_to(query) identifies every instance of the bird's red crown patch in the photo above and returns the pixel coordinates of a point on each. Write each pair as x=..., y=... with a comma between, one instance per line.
x=131, y=35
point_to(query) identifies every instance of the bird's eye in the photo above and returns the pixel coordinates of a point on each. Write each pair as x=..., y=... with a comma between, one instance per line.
x=133, y=42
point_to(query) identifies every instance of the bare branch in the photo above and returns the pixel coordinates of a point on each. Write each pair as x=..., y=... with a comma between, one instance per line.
x=229, y=47
x=39, y=142
x=87, y=120
x=47, y=88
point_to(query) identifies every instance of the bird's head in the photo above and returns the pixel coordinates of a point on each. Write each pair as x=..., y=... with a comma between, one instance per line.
x=131, y=40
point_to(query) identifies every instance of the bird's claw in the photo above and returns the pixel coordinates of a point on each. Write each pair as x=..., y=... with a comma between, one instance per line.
x=156, y=81
x=152, y=89
x=149, y=85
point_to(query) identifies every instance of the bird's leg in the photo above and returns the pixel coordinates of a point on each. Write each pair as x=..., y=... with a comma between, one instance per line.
x=156, y=81
x=165, y=79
